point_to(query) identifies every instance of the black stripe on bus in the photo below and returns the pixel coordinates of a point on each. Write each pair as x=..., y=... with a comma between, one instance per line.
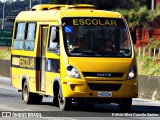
x=34, y=63
x=25, y=62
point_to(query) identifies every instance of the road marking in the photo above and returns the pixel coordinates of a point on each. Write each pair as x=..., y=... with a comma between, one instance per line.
x=68, y=118
x=58, y=118
x=145, y=100
x=27, y=110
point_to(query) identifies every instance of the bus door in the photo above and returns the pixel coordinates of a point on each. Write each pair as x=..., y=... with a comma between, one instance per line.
x=44, y=33
x=52, y=59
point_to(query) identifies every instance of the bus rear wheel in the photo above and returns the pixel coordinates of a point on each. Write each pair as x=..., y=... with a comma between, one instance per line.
x=28, y=97
x=125, y=104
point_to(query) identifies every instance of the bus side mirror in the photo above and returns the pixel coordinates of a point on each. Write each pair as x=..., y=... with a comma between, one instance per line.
x=133, y=35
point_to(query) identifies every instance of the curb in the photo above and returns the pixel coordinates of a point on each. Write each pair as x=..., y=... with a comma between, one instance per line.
x=5, y=80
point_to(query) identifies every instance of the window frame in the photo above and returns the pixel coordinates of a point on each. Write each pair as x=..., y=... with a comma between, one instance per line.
x=16, y=34
x=54, y=50
x=24, y=40
x=30, y=40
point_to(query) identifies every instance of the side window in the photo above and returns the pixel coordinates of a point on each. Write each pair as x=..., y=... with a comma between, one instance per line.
x=24, y=36
x=30, y=38
x=19, y=36
x=53, y=44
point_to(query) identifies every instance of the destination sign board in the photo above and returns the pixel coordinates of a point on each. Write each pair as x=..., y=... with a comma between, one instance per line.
x=5, y=37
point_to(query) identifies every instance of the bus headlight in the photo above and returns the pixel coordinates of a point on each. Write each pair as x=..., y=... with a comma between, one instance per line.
x=132, y=73
x=72, y=71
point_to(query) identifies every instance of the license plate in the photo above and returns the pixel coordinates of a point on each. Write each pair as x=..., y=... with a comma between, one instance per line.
x=104, y=94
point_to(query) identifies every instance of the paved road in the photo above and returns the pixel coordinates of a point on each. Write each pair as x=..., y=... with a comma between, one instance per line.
x=10, y=101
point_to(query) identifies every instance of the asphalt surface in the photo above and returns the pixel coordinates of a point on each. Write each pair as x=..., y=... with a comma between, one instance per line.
x=10, y=100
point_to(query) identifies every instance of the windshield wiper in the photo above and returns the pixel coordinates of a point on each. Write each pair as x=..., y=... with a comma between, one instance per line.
x=124, y=55
x=100, y=54
x=91, y=53
x=111, y=54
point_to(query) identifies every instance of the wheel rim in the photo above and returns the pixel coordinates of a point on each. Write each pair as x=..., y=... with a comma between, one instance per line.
x=61, y=101
x=25, y=93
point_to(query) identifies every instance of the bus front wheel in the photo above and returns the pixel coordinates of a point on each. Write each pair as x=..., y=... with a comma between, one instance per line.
x=64, y=103
x=125, y=104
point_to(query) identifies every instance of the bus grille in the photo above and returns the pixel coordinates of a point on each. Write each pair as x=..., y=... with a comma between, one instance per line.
x=104, y=87
x=102, y=74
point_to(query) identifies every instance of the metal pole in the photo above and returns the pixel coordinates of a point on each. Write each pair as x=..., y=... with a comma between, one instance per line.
x=152, y=5
x=139, y=51
x=3, y=15
x=30, y=4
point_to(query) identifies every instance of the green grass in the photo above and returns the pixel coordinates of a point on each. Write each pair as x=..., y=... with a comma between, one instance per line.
x=148, y=66
x=5, y=54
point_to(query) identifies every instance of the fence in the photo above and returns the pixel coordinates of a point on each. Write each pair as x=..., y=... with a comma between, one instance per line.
x=150, y=52
x=148, y=85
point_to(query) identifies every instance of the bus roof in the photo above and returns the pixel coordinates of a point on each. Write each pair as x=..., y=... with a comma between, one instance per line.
x=55, y=12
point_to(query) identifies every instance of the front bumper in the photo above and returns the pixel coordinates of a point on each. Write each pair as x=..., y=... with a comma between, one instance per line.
x=79, y=88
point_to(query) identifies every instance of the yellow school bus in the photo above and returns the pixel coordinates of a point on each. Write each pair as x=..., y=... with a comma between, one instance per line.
x=75, y=53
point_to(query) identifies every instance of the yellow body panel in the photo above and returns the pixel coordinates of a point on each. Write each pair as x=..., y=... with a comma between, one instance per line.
x=102, y=64
x=18, y=74
x=49, y=82
x=23, y=61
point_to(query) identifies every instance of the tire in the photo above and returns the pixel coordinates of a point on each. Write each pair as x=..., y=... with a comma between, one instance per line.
x=125, y=104
x=55, y=98
x=64, y=103
x=55, y=101
x=28, y=97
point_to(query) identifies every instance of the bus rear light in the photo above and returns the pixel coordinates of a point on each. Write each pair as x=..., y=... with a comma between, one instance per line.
x=31, y=78
x=67, y=83
x=135, y=84
x=14, y=77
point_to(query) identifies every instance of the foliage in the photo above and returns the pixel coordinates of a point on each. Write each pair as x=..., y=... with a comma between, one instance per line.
x=153, y=44
x=5, y=53
x=154, y=18
x=55, y=1
x=148, y=66
x=136, y=12
x=135, y=17
x=18, y=6
x=15, y=6
x=100, y=4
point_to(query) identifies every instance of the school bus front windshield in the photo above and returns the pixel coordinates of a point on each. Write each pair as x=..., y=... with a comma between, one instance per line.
x=99, y=37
